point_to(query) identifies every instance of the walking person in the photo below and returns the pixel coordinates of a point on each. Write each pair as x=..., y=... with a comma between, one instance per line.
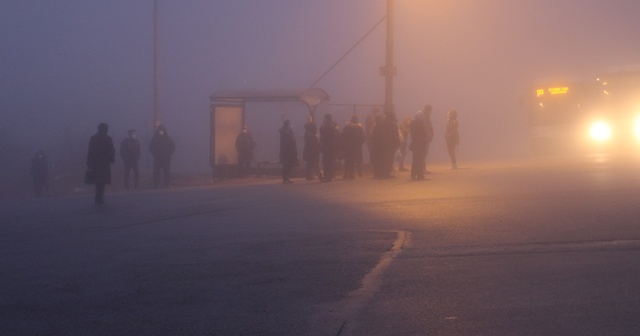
x=100, y=156
x=452, y=137
x=288, y=151
x=130, y=154
x=311, y=150
x=328, y=147
x=161, y=147
x=39, y=173
x=244, y=146
x=353, y=137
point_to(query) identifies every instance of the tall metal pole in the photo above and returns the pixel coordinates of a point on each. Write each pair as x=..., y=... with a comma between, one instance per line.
x=156, y=94
x=389, y=67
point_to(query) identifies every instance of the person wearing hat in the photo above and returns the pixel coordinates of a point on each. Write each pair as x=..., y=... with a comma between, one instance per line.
x=288, y=151
x=130, y=154
x=100, y=156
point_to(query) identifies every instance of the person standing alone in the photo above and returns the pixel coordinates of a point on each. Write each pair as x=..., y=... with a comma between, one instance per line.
x=244, y=146
x=161, y=147
x=130, y=154
x=100, y=156
x=452, y=137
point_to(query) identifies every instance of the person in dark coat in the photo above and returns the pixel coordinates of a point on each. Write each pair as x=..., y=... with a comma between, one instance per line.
x=288, y=151
x=130, y=154
x=329, y=136
x=100, y=156
x=385, y=140
x=39, y=172
x=452, y=137
x=311, y=150
x=244, y=146
x=161, y=148
x=353, y=137
x=419, y=144
x=429, y=127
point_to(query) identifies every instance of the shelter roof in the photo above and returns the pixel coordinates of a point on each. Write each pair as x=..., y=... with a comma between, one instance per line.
x=266, y=95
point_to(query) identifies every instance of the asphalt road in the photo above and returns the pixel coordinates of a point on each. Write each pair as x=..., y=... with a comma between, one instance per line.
x=535, y=247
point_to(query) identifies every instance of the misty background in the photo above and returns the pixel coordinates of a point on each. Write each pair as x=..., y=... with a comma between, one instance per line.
x=67, y=65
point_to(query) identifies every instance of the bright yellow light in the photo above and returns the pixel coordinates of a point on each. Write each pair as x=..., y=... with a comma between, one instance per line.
x=637, y=128
x=558, y=90
x=600, y=131
x=539, y=92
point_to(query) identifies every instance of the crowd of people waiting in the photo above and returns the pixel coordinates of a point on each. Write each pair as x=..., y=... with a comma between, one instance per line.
x=385, y=138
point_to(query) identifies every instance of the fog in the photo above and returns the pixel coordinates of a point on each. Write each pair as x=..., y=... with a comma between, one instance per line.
x=66, y=66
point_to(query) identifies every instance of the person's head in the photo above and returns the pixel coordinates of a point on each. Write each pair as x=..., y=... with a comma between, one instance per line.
x=132, y=133
x=103, y=128
x=427, y=110
x=245, y=129
x=354, y=119
x=419, y=116
x=161, y=130
x=286, y=124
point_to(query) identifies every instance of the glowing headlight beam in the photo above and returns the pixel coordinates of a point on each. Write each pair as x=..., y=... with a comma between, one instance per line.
x=600, y=131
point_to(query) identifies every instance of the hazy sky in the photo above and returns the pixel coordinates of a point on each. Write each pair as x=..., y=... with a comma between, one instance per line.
x=67, y=65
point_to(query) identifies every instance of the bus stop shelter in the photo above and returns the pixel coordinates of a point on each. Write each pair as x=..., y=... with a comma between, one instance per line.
x=228, y=113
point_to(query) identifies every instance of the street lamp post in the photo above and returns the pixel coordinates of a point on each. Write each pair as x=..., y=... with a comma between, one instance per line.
x=389, y=68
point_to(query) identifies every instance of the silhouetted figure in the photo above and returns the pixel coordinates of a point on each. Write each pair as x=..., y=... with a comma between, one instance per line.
x=311, y=150
x=419, y=144
x=385, y=140
x=329, y=134
x=130, y=154
x=100, y=156
x=403, y=129
x=452, y=137
x=370, y=125
x=288, y=151
x=429, y=126
x=353, y=137
x=161, y=148
x=244, y=146
x=39, y=173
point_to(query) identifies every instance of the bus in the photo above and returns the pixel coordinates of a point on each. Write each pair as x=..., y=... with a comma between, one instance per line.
x=599, y=115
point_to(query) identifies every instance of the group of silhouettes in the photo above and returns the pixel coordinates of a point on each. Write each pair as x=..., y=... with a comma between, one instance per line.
x=101, y=154
x=385, y=138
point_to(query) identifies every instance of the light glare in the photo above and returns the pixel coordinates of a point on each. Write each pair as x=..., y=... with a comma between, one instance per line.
x=600, y=131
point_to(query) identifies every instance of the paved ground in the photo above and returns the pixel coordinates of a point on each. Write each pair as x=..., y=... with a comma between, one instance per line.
x=512, y=248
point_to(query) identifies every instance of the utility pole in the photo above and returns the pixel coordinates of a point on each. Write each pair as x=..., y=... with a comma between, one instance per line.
x=156, y=95
x=389, y=68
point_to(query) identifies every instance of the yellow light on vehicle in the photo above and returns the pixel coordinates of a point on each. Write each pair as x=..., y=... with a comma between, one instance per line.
x=600, y=131
x=558, y=90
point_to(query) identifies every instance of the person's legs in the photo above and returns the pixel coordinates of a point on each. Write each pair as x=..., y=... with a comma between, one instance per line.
x=99, y=199
x=156, y=173
x=127, y=170
x=136, y=174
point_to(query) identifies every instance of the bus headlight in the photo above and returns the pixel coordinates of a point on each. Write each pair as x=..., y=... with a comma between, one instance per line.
x=600, y=131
